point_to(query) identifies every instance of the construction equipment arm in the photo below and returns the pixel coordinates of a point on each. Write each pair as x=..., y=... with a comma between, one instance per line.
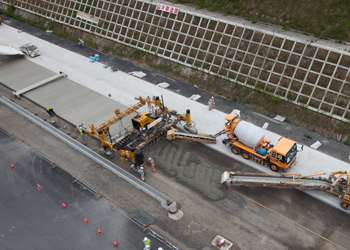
x=119, y=115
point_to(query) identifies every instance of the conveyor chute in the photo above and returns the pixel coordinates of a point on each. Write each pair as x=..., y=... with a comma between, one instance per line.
x=337, y=183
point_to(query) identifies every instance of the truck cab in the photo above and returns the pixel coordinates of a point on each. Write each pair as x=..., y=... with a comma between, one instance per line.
x=283, y=154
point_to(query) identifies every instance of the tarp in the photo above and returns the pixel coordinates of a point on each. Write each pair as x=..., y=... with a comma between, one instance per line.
x=6, y=50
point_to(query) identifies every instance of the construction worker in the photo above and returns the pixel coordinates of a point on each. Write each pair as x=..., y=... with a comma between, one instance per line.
x=152, y=164
x=50, y=111
x=142, y=173
x=210, y=104
x=81, y=42
x=147, y=243
x=81, y=129
x=82, y=132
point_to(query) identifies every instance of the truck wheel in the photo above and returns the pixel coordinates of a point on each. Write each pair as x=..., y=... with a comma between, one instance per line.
x=274, y=168
x=235, y=150
x=245, y=155
x=344, y=205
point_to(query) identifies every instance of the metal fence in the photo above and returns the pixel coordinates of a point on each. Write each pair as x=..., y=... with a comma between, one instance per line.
x=300, y=72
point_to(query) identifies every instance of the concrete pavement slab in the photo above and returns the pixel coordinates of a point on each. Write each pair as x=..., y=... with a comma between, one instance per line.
x=72, y=101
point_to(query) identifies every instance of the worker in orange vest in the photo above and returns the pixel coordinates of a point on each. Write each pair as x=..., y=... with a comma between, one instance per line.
x=152, y=164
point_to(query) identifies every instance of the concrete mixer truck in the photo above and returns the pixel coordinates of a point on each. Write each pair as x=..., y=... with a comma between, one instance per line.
x=248, y=140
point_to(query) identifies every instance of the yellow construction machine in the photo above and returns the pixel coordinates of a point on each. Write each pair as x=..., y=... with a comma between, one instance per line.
x=247, y=139
x=147, y=127
x=337, y=183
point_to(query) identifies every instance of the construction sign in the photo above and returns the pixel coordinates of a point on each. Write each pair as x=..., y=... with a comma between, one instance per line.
x=167, y=8
x=87, y=17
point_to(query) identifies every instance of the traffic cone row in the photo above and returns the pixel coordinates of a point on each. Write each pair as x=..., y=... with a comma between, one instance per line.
x=86, y=221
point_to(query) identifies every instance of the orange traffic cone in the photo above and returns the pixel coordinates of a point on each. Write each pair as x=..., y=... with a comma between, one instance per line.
x=86, y=220
x=12, y=166
x=99, y=231
x=115, y=243
x=64, y=205
x=39, y=187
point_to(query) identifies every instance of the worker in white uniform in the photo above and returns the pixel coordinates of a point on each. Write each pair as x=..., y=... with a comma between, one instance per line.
x=142, y=173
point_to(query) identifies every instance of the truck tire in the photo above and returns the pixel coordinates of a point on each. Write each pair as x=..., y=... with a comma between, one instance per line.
x=344, y=205
x=274, y=168
x=246, y=155
x=235, y=150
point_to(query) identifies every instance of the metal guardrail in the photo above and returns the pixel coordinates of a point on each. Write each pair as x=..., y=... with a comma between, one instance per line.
x=5, y=132
x=160, y=238
x=86, y=187
x=33, y=151
x=165, y=201
x=75, y=180
x=146, y=229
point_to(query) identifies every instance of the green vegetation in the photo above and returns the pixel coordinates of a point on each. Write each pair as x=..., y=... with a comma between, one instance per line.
x=347, y=142
x=10, y=12
x=323, y=19
x=254, y=20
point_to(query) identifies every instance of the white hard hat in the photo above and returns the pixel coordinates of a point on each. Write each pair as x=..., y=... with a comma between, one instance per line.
x=141, y=167
x=145, y=238
x=160, y=248
x=82, y=123
x=149, y=158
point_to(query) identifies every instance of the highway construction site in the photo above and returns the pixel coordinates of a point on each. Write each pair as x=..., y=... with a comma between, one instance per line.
x=187, y=172
x=208, y=206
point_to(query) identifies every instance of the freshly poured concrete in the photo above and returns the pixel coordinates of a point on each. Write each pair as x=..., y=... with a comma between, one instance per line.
x=70, y=100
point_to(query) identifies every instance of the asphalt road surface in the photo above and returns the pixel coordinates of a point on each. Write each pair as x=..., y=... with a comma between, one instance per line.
x=35, y=219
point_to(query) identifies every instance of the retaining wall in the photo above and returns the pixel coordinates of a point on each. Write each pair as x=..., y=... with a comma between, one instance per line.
x=306, y=74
